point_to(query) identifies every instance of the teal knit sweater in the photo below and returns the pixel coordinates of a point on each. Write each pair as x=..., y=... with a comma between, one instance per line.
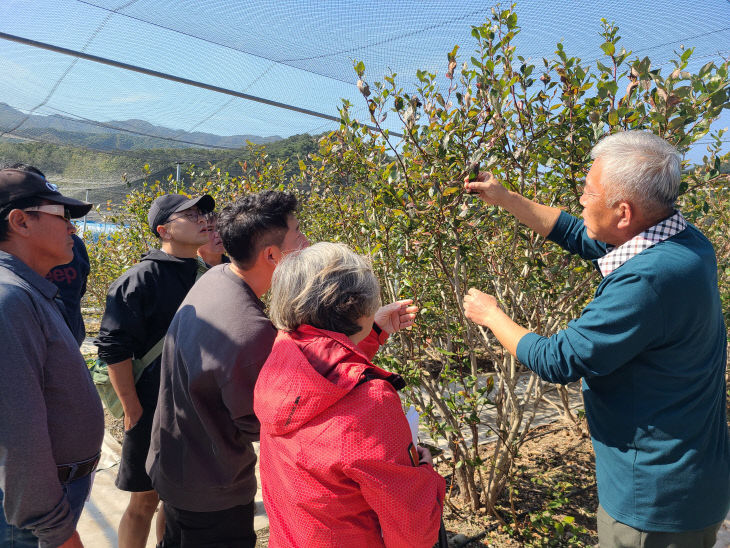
x=651, y=349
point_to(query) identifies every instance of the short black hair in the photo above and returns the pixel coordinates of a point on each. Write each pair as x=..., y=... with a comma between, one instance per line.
x=253, y=222
x=17, y=204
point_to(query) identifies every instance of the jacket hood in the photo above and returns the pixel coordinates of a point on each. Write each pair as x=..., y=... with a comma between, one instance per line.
x=307, y=372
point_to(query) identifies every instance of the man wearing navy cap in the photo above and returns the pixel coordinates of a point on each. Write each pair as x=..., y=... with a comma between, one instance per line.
x=139, y=308
x=51, y=419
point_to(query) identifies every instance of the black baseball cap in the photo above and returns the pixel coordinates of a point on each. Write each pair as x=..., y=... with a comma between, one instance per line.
x=17, y=183
x=166, y=205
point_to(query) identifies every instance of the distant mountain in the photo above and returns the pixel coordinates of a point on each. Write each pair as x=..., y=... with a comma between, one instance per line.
x=114, y=135
x=102, y=176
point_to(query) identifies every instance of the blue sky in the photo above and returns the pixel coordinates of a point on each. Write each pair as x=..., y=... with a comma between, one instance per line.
x=296, y=52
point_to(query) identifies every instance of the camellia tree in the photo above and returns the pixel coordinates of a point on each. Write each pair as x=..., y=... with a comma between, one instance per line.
x=402, y=202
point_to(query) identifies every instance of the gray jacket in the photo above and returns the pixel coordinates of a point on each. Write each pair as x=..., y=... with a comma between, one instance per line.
x=50, y=413
x=201, y=458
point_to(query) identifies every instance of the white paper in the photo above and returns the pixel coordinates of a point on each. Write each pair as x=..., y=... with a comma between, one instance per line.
x=413, y=417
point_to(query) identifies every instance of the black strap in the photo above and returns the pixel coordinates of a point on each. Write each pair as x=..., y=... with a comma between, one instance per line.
x=395, y=380
x=443, y=539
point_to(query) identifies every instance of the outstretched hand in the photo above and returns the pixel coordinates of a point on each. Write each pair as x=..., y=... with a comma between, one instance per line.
x=487, y=187
x=483, y=309
x=478, y=306
x=395, y=316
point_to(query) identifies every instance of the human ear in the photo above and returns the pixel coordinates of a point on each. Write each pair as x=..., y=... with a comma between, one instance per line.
x=18, y=221
x=272, y=254
x=162, y=231
x=625, y=215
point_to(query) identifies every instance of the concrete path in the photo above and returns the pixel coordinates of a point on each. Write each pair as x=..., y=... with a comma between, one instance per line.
x=100, y=519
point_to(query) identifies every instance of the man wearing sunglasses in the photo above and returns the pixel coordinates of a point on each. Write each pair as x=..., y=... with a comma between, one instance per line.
x=51, y=419
x=140, y=305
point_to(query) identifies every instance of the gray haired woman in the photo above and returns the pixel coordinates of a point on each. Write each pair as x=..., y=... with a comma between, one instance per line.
x=338, y=467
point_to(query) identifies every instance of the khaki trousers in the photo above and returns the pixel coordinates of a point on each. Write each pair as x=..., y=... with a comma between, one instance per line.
x=614, y=534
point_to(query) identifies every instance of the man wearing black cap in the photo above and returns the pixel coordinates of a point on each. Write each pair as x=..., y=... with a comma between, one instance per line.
x=51, y=419
x=139, y=308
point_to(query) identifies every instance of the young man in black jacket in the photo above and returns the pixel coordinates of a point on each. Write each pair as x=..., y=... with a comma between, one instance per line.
x=139, y=308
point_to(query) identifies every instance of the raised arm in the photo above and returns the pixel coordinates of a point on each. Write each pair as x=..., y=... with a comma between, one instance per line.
x=389, y=318
x=538, y=217
x=483, y=309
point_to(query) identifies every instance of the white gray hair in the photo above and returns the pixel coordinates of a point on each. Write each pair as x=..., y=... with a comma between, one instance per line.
x=640, y=167
x=327, y=286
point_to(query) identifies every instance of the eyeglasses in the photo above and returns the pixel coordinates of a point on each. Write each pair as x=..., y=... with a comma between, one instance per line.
x=52, y=209
x=192, y=215
x=584, y=192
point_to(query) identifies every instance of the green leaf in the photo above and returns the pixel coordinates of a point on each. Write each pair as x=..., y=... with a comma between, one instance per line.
x=359, y=68
x=718, y=98
x=608, y=48
x=452, y=55
x=676, y=123
x=602, y=67
x=621, y=57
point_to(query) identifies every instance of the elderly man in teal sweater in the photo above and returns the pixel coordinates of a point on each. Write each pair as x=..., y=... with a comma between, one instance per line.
x=650, y=347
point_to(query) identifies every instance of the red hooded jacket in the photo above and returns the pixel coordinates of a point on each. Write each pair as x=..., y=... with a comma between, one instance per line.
x=336, y=454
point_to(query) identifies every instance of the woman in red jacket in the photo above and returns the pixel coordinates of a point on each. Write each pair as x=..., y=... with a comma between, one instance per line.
x=338, y=467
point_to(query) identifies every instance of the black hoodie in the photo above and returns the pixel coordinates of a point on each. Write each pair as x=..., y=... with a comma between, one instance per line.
x=140, y=305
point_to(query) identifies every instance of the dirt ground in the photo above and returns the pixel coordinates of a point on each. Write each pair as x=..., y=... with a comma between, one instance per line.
x=552, y=500
x=114, y=426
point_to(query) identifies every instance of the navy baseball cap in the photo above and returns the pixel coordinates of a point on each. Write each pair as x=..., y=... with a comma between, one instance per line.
x=164, y=206
x=17, y=183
